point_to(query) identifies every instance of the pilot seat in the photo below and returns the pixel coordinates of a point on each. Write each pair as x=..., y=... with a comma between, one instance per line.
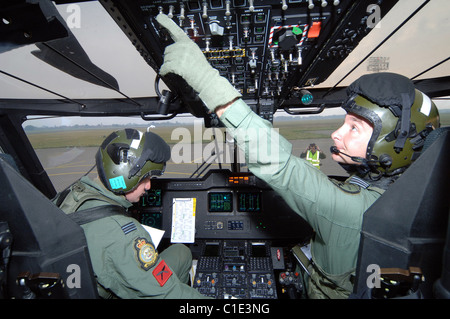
x=401, y=252
x=44, y=253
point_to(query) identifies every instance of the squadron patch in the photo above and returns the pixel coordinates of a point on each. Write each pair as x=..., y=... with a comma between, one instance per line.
x=146, y=254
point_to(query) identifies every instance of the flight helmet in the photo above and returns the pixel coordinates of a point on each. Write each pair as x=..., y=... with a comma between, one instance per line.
x=128, y=156
x=401, y=115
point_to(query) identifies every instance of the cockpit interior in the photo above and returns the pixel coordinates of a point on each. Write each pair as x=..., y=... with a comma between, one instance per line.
x=290, y=57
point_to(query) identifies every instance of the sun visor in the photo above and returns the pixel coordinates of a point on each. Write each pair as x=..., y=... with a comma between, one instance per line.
x=155, y=150
x=159, y=150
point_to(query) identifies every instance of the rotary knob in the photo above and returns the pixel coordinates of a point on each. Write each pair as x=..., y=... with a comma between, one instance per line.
x=215, y=28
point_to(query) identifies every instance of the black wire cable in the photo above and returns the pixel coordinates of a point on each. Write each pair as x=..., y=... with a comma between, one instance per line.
x=42, y=88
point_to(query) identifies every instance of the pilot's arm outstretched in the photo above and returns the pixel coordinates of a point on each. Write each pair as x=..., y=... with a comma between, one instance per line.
x=334, y=209
x=334, y=213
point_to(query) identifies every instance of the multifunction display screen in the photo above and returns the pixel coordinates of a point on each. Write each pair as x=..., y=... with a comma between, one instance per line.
x=220, y=202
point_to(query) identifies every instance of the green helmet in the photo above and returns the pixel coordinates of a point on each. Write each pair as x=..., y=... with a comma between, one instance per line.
x=128, y=156
x=401, y=115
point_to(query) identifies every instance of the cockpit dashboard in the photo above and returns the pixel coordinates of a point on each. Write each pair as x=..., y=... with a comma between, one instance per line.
x=241, y=233
x=238, y=228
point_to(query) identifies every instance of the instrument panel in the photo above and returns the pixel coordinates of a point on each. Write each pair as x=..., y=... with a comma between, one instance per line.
x=272, y=51
x=236, y=269
x=224, y=205
x=239, y=231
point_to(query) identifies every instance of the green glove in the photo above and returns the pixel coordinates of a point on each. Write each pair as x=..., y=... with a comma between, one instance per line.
x=185, y=59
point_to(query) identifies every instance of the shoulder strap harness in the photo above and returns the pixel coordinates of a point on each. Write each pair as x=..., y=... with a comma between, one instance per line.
x=71, y=199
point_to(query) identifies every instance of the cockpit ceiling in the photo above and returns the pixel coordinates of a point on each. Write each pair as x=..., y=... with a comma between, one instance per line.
x=413, y=49
x=420, y=44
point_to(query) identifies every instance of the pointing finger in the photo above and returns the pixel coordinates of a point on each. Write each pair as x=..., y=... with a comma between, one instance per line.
x=176, y=33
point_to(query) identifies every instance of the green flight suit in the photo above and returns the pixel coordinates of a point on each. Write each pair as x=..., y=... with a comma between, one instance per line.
x=334, y=210
x=122, y=253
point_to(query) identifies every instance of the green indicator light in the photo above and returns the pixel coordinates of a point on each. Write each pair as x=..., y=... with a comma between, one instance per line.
x=297, y=31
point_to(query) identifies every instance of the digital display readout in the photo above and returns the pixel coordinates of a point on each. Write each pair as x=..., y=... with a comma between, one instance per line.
x=249, y=202
x=220, y=202
x=152, y=198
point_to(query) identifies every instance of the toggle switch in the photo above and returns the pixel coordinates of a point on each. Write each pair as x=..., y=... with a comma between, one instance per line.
x=170, y=14
x=182, y=16
x=227, y=7
x=251, y=7
x=314, y=31
x=205, y=10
